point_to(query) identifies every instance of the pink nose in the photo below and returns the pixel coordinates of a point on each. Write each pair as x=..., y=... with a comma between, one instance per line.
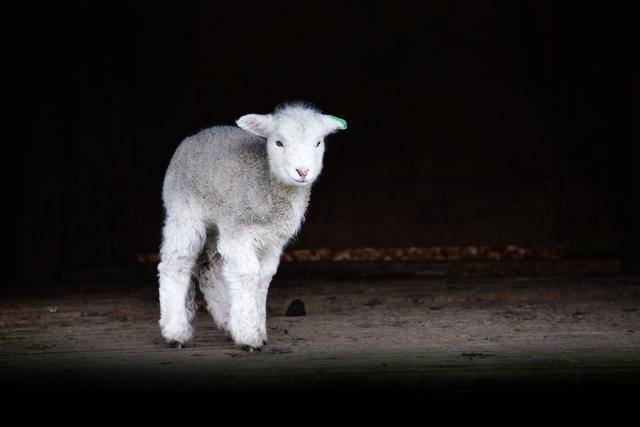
x=302, y=172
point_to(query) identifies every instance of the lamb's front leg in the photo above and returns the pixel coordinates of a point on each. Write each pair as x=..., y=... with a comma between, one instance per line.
x=241, y=274
x=268, y=267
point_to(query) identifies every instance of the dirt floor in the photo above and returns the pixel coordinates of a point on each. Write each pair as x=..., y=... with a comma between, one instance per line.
x=394, y=334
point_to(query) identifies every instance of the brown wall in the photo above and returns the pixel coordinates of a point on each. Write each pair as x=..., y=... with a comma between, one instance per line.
x=468, y=123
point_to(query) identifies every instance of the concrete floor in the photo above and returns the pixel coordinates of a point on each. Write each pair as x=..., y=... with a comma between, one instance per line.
x=438, y=335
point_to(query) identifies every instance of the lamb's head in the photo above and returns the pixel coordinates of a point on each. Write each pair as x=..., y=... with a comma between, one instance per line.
x=294, y=136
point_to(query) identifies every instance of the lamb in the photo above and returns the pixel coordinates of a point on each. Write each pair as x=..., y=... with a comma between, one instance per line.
x=234, y=197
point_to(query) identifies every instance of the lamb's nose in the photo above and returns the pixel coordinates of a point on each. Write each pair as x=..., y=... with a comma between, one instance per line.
x=302, y=172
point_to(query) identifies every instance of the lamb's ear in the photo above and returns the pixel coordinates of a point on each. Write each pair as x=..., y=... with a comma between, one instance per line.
x=334, y=123
x=257, y=124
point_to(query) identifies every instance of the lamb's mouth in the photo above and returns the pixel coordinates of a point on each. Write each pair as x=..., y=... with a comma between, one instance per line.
x=300, y=181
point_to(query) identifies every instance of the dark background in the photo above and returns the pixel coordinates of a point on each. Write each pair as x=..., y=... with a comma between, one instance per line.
x=469, y=122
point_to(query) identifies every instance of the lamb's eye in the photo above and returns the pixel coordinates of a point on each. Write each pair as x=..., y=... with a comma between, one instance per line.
x=279, y=144
x=318, y=144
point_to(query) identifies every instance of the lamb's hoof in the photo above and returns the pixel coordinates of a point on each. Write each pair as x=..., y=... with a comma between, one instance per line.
x=177, y=344
x=250, y=348
x=264, y=342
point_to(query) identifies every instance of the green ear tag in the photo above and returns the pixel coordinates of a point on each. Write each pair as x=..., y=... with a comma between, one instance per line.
x=343, y=122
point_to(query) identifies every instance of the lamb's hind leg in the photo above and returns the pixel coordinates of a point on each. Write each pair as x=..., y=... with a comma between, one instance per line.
x=212, y=286
x=182, y=241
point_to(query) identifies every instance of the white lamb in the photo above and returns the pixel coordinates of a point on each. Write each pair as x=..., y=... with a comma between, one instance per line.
x=234, y=197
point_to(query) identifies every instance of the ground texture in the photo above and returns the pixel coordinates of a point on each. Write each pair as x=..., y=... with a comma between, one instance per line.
x=393, y=334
